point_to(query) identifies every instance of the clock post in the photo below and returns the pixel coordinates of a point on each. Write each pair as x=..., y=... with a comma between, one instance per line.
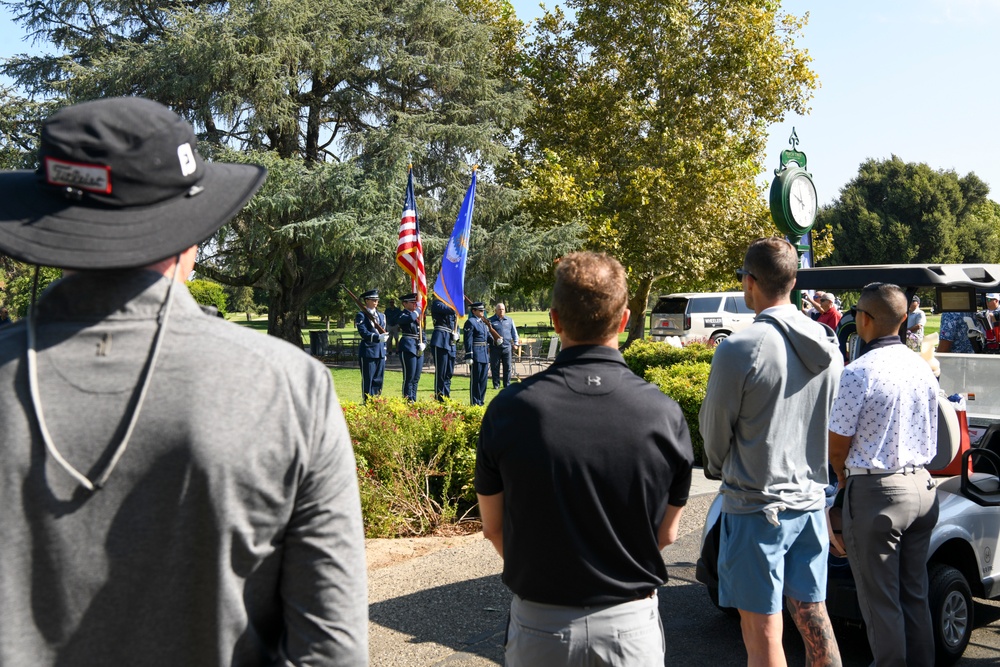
x=793, y=199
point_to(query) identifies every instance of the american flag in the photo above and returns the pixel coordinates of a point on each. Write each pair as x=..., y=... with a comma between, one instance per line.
x=409, y=249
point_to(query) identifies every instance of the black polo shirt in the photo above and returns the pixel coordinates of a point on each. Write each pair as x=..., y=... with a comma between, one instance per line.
x=587, y=455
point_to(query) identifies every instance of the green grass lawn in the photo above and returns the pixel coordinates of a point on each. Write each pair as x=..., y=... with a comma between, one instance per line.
x=347, y=381
x=933, y=324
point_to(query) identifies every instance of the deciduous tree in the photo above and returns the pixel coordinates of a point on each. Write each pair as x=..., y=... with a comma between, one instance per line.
x=650, y=128
x=896, y=212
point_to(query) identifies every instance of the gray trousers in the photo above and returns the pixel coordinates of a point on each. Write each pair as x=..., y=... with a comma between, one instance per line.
x=629, y=634
x=887, y=531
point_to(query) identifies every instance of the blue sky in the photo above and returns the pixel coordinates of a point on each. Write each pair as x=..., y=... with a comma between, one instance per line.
x=914, y=78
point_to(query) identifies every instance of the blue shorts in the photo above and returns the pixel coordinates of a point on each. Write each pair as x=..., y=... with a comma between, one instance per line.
x=760, y=562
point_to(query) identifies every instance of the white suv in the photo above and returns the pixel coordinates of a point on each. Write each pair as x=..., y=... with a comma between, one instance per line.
x=709, y=315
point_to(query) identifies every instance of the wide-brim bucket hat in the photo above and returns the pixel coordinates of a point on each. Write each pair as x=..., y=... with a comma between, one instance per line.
x=119, y=184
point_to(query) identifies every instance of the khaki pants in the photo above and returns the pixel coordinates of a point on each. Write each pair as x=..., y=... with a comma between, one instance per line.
x=629, y=634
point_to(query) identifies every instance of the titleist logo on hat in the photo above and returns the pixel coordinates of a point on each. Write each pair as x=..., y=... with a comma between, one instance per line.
x=97, y=177
x=90, y=177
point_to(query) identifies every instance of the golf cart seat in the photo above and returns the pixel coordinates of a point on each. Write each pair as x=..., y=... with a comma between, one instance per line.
x=953, y=439
x=981, y=488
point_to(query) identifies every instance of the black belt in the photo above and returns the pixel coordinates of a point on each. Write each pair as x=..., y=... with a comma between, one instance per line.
x=851, y=472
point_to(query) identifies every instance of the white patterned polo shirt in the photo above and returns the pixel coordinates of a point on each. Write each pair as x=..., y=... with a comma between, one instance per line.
x=888, y=402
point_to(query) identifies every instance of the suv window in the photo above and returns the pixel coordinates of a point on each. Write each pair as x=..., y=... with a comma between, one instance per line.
x=705, y=305
x=735, y=304
x=671, y=305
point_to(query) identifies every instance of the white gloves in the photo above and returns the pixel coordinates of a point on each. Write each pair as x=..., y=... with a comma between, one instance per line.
x=422, y=346
x=455, y=336
x=383, y=337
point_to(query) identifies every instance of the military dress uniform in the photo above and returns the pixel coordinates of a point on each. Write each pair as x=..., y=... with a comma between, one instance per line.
x=477, y=337
x=443, y=340
x=411, y=347
x=500, y=353
x=371, y=349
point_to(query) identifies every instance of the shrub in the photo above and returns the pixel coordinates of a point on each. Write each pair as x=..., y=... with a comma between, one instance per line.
x=416, y=463
x=685, y=383
x=646, y=354
x=208, y=293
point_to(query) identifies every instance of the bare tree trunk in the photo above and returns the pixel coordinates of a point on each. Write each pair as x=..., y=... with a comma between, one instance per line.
x=283, y=317
x=637, y=304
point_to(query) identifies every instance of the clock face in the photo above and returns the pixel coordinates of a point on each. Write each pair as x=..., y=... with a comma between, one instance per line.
x=802, y=201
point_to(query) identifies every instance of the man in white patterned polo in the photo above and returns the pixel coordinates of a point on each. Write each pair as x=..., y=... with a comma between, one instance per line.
x=883, y=431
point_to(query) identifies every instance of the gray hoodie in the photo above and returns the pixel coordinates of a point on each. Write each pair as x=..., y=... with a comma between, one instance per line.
x=766, y=412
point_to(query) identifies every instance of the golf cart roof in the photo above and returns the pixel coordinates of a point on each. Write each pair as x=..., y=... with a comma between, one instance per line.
x=984, y=277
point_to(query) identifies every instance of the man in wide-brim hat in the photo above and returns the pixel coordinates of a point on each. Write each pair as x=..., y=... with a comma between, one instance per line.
x=178, y=490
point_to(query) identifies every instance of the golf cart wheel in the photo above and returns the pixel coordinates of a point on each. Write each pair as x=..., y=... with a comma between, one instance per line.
x=951, y=613
x=717, y=338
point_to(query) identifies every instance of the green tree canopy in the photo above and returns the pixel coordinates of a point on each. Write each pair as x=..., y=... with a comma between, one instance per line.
x=896, y=212
x=335, y=99
x=650, y=127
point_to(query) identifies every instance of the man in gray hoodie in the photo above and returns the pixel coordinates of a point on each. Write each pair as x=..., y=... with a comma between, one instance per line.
x=764, y=421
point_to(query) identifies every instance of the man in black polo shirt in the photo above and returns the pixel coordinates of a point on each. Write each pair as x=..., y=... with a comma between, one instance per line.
x=582, y=472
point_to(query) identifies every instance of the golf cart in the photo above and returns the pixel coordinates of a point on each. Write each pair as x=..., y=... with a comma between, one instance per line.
x=966, y=539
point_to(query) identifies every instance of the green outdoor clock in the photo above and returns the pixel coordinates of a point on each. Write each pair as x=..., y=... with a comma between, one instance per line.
x=793, y=195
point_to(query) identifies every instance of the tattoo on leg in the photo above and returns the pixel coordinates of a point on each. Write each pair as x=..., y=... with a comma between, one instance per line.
x=817, y=633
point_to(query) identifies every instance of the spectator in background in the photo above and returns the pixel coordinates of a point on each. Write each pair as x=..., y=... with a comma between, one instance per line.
x=916, y=320
x=954, y=333
x=810, y=304
x=501, y=353
x=223, y=525
x=829, y=315
x=582, y=472
x=993, y=307
x=4, y=317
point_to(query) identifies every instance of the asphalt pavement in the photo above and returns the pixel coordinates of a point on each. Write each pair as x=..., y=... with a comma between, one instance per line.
x=449, y=608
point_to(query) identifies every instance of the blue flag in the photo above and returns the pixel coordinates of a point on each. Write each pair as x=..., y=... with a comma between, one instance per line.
x=450, y=284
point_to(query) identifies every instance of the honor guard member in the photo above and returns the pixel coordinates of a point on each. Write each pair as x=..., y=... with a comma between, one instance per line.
x=371, y=349
x=500, y=353
x=443, y=340
x=411, y=345
x=477, y=336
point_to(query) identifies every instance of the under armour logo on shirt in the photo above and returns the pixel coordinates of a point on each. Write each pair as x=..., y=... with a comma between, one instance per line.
x=594, y=380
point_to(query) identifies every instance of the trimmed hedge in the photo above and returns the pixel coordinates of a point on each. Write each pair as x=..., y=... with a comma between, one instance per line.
x=685, y=383
x=416, y=463
x=208, y=293
x=642, y=355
